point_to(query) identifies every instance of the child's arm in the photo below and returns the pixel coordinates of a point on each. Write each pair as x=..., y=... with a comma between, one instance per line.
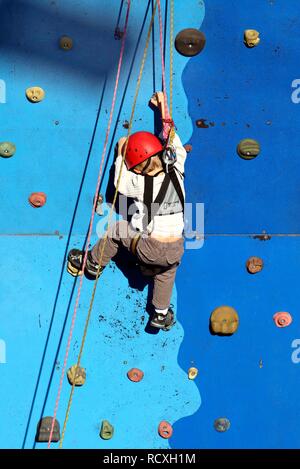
x=130, y=183
x=158, y=100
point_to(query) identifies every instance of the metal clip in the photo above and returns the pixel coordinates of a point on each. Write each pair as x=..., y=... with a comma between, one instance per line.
x=99, y=206
x=169, y=156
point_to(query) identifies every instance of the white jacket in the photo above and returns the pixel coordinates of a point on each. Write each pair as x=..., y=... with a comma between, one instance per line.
x=132, y=185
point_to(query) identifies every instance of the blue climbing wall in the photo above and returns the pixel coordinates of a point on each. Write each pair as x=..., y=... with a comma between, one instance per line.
x=250, y=378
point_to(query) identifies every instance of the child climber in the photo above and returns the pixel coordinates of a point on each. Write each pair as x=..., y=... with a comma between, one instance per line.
x=153, y=176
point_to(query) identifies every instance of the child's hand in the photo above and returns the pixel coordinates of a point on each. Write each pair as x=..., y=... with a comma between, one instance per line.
x=121, y=143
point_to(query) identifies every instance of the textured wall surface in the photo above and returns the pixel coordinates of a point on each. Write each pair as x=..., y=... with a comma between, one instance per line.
x=250, y=377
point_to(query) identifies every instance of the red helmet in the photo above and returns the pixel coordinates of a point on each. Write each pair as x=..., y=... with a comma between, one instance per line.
x=141, y=146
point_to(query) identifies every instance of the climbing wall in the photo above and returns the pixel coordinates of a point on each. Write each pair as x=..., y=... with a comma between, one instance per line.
x=223, y=95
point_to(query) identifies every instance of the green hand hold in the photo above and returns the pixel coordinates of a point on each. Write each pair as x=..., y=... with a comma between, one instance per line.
x=7, y=149
x=248, y=149
x=107, y=430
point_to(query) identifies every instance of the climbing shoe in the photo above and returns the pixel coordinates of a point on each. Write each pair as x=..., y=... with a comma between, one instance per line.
x=163, y=321
x=75, y=261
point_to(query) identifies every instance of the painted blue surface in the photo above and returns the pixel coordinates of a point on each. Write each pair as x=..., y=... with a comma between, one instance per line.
x=246, y=93
x=261, y=403
x=58, y=152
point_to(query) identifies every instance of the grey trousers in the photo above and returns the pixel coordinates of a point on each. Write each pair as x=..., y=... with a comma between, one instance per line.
x=149, y=251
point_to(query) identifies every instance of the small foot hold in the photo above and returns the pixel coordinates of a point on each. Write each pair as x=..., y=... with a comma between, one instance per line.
x=222, y=425
x=254, y=265
x=44, y=430
x=282, y=319
x=135, y=375
x=76, y=375
x=165, y=429
x=192, y=373
x=37, y=199
x=107, y=430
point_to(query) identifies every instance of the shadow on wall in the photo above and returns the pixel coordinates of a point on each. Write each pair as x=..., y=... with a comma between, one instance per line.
x=32, y=29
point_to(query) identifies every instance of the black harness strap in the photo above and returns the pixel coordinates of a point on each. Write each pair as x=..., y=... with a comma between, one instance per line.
x=153, y=205
x=148, y=197
x=176, y=184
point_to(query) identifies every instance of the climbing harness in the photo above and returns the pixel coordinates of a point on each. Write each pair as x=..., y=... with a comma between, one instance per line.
x=169, y=200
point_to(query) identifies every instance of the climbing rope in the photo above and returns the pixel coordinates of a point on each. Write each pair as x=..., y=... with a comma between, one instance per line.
x=172, y=133
x=168, y=124
x=91, y=222
x=108, y=225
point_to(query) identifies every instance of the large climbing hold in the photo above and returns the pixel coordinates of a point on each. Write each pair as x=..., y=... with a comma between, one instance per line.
x=7, y=149
x=107, y=430
x=76, y=375
x=248, y=149
x=165, y=429
x=44, y=430
x=190, y=42
x=224, y=320
x=35, y=94
x=251, y=38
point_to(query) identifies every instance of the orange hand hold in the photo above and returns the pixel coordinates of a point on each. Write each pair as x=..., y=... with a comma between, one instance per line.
x=135, y=375
x=282, y=319
x=37, y=199
x=165, y=429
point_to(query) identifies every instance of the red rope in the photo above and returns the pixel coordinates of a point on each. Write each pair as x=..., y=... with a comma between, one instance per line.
x=91, y=224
